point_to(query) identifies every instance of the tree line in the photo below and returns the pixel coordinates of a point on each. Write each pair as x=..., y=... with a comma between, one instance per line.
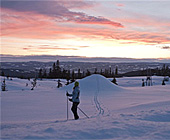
x=57, y=72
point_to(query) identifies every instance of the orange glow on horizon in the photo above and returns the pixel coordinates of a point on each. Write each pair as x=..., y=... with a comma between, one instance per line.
x=80, y=34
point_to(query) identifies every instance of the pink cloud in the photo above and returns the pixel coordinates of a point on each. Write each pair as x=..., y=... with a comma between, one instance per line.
x=38, y=26
x=56, y=48
x=120, y=5
x=96, y=20
x=26, y=48
x=80, y=4
x=46, y=48
x=145, y=22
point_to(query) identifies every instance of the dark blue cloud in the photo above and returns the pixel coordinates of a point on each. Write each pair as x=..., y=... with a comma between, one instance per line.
x=58, y=10
x=42, y=7
x=50, y=58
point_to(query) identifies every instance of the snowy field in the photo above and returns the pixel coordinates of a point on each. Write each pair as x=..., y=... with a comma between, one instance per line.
x=124, y=112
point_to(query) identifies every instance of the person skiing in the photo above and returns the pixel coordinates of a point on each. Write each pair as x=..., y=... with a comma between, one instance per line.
x=75, y=99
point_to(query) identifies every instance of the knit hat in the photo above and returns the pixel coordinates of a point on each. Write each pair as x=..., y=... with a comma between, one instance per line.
x=76, y=84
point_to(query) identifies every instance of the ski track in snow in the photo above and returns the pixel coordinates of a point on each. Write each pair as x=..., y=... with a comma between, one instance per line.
x=98, y=105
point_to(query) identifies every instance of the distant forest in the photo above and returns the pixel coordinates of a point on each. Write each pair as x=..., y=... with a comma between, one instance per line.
x=58, y=72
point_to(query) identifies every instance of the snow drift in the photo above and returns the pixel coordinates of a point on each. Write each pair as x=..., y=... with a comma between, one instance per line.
x=95, y=83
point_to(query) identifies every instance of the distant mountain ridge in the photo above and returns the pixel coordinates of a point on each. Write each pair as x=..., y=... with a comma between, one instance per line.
x=51, y=58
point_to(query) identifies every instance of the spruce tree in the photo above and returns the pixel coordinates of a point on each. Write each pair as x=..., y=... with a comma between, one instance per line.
x=68, y=75
x=50, y=73
x=116, y=71
x=110, y=71
x=88, y=73
x=79, y=74
x=58, y=69
x=64, y=74
x=95, y=72
x=40, y=74
x=101, y=72
x=106, y=73
x=72, y=76
x=44, y=74
x=54, y=72
x=2, y=73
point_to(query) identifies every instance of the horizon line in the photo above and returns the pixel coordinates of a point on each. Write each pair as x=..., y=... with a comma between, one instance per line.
x=50, y=58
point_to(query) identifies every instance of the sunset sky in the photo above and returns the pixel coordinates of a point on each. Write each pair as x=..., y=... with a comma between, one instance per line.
x=132, y=29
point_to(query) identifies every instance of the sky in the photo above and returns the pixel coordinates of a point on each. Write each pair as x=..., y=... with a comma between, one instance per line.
x=125, y=29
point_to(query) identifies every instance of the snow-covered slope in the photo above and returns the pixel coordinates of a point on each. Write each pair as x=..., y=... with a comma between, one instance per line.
x=95, y=83
x=115, y=112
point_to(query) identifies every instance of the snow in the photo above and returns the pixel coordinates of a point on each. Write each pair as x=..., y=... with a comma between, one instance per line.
x=95, y=83
x=137, y=81
x=127, y=111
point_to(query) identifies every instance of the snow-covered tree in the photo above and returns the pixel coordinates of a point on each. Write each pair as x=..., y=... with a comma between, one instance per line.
x=34, y=82
x=114, y=81
x=67, y=82
x=59, y=84
x=163, y=82
x=3, y=86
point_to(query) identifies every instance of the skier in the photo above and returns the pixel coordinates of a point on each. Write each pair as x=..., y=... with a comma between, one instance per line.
x=75, y=99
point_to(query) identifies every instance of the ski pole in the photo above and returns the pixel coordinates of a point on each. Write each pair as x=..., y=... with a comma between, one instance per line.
x=67, y=108
x=82, y=112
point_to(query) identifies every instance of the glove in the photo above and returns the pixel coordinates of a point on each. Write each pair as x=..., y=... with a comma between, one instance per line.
x=67, y=94
x=70, y=100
